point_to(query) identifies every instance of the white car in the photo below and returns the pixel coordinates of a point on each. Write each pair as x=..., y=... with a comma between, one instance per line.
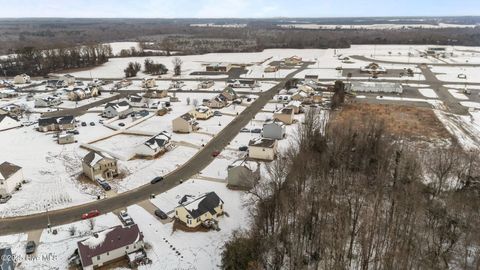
x=125, y=218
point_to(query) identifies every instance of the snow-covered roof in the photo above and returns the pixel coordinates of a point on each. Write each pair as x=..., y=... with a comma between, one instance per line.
x=203, y=204
x=251, y=165
x=295, y=103
x=106, y=241
x=120, y=106
x=262, y=142
x=93, y=158
x=159, y=140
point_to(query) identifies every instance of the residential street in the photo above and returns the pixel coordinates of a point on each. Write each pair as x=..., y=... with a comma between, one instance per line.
x=196, y=164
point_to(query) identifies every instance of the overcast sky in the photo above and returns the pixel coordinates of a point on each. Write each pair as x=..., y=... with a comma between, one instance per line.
x=235, y=8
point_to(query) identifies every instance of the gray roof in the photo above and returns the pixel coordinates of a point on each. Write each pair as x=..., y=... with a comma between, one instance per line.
x=204, y=204
x=266, y=143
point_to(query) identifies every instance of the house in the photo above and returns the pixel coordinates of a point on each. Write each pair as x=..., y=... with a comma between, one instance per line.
x=317, y=97
x=271, y=69
x=296, y=106
x=201, y=209
x=149, y=83
x=309, y=89
x=155, y=94
x=11, y=177
x=99, y=165
x=284, y=115
x=83, y=93
x=66, y=138
x=243, y=174
x=274, y=130
x=206, y=84
x=121, y=109
x=177, y=84
x=373, y=68
x=122, y=84
x=136, y=101
x=68, y=79
x=218, y=67
x=56, y=123
x=217, y=102
x=155, y=145
x=7, y=260
x=13, y=110
x=186, y=123
x=229, y=94
x=8, y=93
x=293, y=61
x=301, y=96
x=22, y=79
x=202, y=113
x=48, y=101
x=55, y=84
x=8, y=122
x=242, y=83
x=109, y=245
x=262, y=148
x=311, y=77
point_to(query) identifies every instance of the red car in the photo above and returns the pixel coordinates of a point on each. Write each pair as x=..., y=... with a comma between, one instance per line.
x=91, y=214
x=215, y=153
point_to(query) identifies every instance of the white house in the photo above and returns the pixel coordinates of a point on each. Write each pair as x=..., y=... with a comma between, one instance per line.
x=11, y=176
x=48, y=101
x=120, y=109
x=8, y=122
x=155, y=145
x=263, y=149
x=22, y=79
x=109, y=245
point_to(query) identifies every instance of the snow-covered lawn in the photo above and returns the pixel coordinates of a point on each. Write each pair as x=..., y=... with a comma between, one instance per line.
x=435, y=103
x=457, y=94
x=470, y=104
x=428, y=92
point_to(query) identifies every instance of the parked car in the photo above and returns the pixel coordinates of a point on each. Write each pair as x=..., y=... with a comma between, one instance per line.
x=256, y=130
x=106, y=186
x=215, y=153
x=92, y=124
x=159, y=213
x=91, y=214
x=5, y=198
x=84, y=124
x=121, y=124
x=73, y=132
x=243, y=148
x=244, y=130
x=30, y=247
x=125, y=218
x=217, y=113
x=156, y=180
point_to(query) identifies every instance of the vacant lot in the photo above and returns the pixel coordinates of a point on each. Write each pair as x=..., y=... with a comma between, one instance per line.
x=402, y=121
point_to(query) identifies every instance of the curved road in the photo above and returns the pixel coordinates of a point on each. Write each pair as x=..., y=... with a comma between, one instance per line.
x=193, y=166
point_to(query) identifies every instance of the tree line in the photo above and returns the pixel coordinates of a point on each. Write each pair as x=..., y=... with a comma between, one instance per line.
x=38, y=62
x=350, y=196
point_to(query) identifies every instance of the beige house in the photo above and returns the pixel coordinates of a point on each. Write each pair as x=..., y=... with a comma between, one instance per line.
x=293, y=61
x=263, y=149
x=296, y=106
x=56, y=123
x=229, y=94
x=203, y=208
x=11, y=176
x=202, y=113
x=271, y=69
x=81, y=94
x=109, y=245
x=206, y=84
x=218, y=67
x=99, y=165
x=149, y=83
x=285, y=115
x=68, y=79
x=66, y=138
x=217, y=102
x=186, y=123
x=155, y=94
x=301, y=96
x=243, y=175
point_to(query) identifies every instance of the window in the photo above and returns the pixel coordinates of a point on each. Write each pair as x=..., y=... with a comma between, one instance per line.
x=98, y=257
x=108, y=253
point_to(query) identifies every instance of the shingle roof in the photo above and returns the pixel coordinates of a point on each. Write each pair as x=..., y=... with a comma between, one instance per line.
x=93, y=157
x=7, y=169
x=206, y=203
x=106, y=241
x=262, y=142
x=60, y=120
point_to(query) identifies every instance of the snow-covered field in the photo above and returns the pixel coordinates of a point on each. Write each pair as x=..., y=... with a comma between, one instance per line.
x=428, y=92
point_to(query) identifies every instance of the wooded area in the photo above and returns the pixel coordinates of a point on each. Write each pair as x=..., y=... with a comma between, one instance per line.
x=355, y=197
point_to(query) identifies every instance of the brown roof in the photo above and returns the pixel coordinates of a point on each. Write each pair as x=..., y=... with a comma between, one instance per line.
x=114, y=238
x=7, y=169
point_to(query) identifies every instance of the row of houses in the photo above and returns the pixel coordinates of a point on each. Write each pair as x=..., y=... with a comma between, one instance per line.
x=48, y=101
x=221, y=100
x=78, y=94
